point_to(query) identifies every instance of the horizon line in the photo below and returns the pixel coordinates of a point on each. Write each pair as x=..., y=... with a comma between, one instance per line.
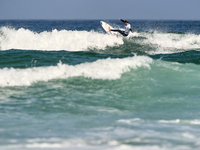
x=97, y=19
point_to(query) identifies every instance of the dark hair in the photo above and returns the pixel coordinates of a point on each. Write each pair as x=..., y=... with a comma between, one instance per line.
x=126, y=21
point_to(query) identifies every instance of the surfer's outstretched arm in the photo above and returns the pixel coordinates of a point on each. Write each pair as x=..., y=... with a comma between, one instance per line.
x=122, y=20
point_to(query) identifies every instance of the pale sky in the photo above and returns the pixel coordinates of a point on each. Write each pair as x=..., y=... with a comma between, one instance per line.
x=100, y=9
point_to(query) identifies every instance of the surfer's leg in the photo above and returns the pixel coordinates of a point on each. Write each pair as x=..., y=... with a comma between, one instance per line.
x=120, y=31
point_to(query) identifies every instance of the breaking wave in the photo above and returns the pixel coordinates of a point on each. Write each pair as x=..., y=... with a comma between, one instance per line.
x=106, y=69
x=148, y=42
x=55, y=40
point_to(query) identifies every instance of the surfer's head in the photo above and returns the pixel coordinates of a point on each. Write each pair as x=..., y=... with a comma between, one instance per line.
x=126, y=22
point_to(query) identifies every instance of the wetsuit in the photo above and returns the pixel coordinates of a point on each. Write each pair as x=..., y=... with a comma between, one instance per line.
x=124, y=33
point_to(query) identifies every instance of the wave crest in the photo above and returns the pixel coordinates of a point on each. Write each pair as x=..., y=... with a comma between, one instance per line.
x=55, y=40
x=106, y=69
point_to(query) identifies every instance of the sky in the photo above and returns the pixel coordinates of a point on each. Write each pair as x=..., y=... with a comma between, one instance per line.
x=100, y=9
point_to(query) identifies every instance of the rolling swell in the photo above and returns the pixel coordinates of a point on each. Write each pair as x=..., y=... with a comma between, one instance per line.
x=31, y=58
x=182, y=57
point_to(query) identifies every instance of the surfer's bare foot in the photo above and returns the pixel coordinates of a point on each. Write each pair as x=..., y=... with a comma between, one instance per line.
x=109, y=29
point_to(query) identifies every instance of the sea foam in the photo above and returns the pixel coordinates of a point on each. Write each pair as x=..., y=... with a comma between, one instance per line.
x=170, y=42
x=69, y=40
x=55, y=40
x=106, y=69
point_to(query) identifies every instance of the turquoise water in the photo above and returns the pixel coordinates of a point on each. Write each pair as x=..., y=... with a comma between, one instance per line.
x=69, y=85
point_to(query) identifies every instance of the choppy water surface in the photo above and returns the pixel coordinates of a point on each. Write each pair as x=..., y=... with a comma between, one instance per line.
x=69, y=85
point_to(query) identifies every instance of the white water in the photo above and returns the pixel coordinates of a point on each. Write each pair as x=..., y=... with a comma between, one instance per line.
x=106, y=69
x=84, y=40
x=170, y=42
x=55, y=40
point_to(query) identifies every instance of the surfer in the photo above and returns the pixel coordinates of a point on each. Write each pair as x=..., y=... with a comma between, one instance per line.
x=127, y=28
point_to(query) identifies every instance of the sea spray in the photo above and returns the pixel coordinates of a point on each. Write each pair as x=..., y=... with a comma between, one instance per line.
x=171, y=42
x=55, y=40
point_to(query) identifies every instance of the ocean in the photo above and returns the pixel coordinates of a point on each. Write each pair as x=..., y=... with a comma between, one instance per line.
x=67, y=85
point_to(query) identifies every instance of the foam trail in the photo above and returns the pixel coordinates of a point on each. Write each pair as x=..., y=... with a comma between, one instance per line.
x=55, y=40
x=195, y=122
x=170, y=42
x=106, y=69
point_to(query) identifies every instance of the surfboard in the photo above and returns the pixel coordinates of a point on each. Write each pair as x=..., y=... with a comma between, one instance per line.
x=106, y=26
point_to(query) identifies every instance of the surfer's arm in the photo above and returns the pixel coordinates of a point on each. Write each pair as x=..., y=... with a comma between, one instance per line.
x=122, y=20
x=131, y=30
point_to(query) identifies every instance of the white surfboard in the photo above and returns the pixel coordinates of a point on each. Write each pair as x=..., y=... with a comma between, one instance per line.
x=106, y=26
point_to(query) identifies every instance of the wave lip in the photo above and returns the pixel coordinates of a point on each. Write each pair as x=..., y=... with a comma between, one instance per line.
x=55, y=40
x=106, y=69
